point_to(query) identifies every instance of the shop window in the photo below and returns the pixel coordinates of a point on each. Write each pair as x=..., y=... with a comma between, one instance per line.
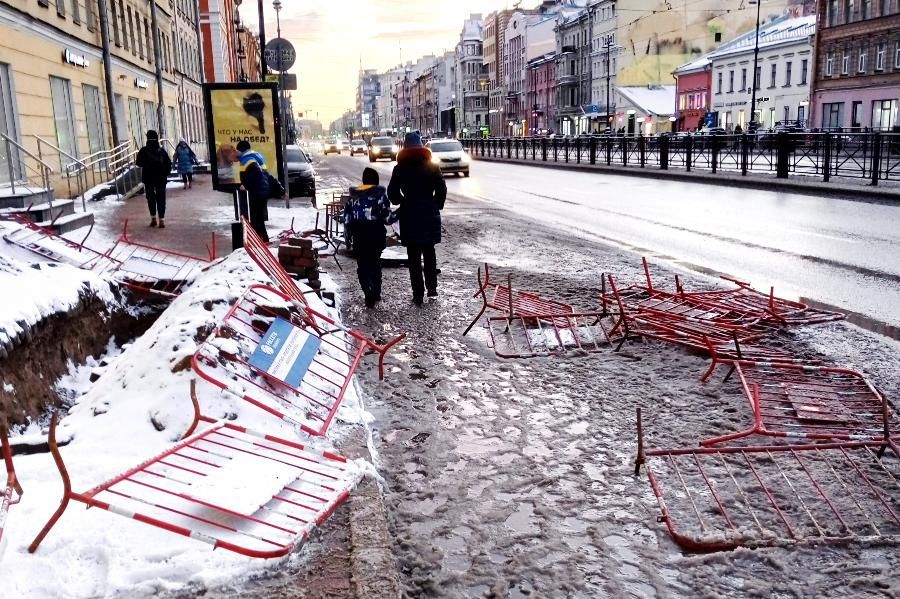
x=63, y=117
x=884, y=114
x=7, y=121
x=93, y=118
x=832, y=115
x=134, y=122
x=856, y=114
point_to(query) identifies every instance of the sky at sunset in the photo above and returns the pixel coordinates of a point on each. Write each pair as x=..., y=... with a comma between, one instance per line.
x=332, y=36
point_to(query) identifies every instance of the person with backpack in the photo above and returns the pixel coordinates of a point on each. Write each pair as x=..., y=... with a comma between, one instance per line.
x=259, y=185
x=155, y=166
x=365, y=216
x=418, y=187
x=185, y=159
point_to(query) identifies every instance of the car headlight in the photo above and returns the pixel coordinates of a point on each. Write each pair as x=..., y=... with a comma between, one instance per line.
x=394, y=149
x=435, y=159
x=464, y=159
x=376, y=150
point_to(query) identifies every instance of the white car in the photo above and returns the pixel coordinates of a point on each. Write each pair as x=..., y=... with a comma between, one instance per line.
x=449, y=156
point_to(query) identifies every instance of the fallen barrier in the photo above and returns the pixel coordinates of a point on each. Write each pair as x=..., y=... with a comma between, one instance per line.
x=721, y=498
x=227, y=486
x=12, y=490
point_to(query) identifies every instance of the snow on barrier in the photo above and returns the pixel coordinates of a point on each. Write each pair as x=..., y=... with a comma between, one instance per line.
x=12, y=490
x=148, y=270
x=244, y=357
x=548, y=335
x=227, y=486
x=259, y=252
x=716, y=499
x=811, y=402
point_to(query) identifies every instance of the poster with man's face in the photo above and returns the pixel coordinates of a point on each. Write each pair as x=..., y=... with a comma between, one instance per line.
x=241, y=111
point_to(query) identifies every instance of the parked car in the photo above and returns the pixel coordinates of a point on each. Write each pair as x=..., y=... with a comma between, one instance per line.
x=332, y=146
x=300, y=173
x=450, y=156
x=358, y=146
x=383, y=147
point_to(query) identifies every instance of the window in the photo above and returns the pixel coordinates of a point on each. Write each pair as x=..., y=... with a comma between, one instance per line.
x=757, y=82
x=845, y=63
x=131, y=32
x=804, y=66
x=744, y=80
x=150, y=115
x=884, y=114
x=879, y=56
x=719, y=83
x=849, y=9
x=93, y=118
x=787, y=73
x=7, y=120
x=773, y=74
x=61, y=7
x=61, y=97
x=885, y=6
x=89, y=15
x=829, y=64
x=832, y=12
x=801, y=116
x=866, y=9
x=115, y=25
x=134, y=121
x=856, y=114
x=897, y=56
x=863, y=55
x=787, y=114
x=76, y=15
x=122, y=20
x=832, y=115
x=730, y=81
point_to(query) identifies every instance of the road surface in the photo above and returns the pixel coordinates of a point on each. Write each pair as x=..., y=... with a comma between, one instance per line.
x=839, y=253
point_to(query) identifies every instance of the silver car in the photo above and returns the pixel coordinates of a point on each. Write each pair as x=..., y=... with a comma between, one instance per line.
x=449, y=156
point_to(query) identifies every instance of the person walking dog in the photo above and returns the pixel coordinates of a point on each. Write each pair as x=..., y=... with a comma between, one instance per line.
x=418, y=188
x=155, y=166
x=365, y=216
x=185, y=159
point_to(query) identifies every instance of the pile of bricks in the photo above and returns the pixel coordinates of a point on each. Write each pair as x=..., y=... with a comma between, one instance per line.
x=298, y=256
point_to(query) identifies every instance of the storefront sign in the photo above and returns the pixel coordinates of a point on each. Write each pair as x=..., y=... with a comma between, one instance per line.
x=79, y=60
x=141, y=83
x=241, y=111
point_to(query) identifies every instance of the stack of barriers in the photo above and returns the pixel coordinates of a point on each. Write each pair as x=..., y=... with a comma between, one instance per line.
x=231, y=487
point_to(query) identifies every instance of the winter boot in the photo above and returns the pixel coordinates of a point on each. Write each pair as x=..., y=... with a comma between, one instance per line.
x=153, y=222
x=162, y=223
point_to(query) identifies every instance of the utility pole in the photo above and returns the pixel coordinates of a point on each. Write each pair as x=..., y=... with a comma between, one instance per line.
x=608, y=46
x=755, y=70
x=263, y=69
x=107, y=71
x=157, y=58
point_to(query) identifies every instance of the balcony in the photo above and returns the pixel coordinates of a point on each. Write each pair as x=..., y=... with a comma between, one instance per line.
x=568, y=50
x=568, y=79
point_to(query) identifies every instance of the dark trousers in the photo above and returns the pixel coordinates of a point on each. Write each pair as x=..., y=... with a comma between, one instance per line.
x=258, y=216
x=156, y=198
x=368, y=268
x=417, y=254
x=187, y=178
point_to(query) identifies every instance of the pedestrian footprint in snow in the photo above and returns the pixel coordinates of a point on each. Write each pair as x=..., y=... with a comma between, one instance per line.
x=418, y=187
x=365, y=216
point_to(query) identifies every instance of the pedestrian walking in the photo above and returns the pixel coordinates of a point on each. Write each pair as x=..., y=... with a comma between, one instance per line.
x=259, y=185
x=365, y=215
x=418, y=188
x=155, y=166
x=185, y=159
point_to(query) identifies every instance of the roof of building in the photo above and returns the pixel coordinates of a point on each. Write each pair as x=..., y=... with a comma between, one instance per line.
x=780, y=31
x=473, y=28
x=656, y=99
x=539, y=60
x=695, y=65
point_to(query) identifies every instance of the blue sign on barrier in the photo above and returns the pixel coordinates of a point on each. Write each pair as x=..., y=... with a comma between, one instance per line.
x=285, y=352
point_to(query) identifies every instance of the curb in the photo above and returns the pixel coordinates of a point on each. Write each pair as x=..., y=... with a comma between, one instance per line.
x=813, y=188
x=373, y=570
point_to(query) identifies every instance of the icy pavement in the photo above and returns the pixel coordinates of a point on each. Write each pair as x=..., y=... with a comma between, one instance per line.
x=515, y=478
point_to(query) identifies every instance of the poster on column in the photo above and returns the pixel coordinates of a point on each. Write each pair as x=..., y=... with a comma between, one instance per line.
x=236, y=112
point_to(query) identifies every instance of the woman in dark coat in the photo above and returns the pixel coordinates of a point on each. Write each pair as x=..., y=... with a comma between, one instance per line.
x=418, y=187
x=255, y=180
x=155, y=166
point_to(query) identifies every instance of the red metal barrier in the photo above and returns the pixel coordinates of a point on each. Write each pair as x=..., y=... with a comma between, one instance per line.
x=714, y=499
x=223, y=361
x=548, y=335
x=512, y=302
x=260, y=253
x=12, y=490
x=811, y=402
x=227, y=486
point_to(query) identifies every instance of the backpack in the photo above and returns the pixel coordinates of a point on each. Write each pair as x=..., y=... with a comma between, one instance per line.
x=156, y=162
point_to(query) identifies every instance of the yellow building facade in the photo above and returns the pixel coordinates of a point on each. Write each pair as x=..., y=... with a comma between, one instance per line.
x=52, y=81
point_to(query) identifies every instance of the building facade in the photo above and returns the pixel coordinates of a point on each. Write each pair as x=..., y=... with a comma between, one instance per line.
x=604, y=54
x=368, y=92
x=693, y=86
x=471, y=78
x=494, y=57
x=445, y=93
x=248, y=54
x=782, y=75
x=219, y=22
x=857, y=65
x=53, y=84
x=541, y=93
x=574, y=35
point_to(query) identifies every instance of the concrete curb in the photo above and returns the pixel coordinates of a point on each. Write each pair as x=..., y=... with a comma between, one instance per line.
x=814, y=188
x=373, y=570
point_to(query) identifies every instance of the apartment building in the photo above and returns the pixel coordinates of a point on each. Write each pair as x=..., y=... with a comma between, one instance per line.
x=471, y=78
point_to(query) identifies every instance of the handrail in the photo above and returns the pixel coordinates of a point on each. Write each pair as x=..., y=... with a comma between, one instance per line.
x=22, y=149
x=81, y=174
x=41, y=140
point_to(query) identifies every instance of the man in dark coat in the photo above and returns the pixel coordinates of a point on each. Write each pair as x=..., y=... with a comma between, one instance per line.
x=255, y=181
x=418, y=187
x=155, y=166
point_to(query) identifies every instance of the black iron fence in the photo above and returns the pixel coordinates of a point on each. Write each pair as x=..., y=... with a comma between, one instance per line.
x=874, y=157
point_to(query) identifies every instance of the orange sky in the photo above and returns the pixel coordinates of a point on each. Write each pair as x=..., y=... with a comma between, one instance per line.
x=332, y=36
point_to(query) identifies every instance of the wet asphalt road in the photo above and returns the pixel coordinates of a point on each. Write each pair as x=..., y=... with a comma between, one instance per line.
x=837, y=252
x=513, y=478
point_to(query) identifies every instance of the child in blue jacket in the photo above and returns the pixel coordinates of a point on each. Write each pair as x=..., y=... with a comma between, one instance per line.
x=367, y=212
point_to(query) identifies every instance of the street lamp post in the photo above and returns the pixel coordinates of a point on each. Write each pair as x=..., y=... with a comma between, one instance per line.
x=754, y=124
x=276, y=4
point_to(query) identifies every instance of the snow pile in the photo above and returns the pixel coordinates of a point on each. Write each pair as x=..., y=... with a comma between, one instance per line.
x=137, y=409
x=35, y=291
